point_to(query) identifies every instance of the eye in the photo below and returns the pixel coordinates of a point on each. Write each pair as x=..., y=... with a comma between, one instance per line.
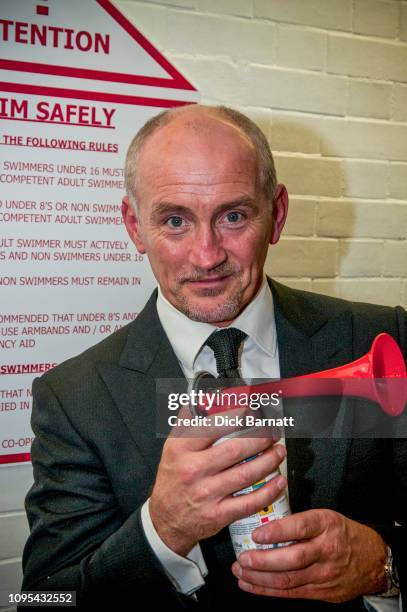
x=175, y=222
x=234, y=217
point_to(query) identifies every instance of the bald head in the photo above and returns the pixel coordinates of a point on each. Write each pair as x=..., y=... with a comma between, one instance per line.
x=198, y=126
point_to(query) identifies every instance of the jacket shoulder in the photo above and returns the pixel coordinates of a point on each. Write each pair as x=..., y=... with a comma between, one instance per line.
x=331, y=306
x=368, y=320
x=83, y=365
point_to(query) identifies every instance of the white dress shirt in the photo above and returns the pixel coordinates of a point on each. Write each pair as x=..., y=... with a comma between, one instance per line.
x=258, y=359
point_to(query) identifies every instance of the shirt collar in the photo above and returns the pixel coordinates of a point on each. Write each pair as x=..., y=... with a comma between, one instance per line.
x=257, y=320
x=187, y=337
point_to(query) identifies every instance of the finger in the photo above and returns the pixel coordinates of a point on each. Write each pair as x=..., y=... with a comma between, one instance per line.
x=299, y=526
x=252, y=471
x=296, y=556
x=195, y=433
x=200, y=432
x=242, y=506
x=279, y=580
x=308, y=591
x=232, y=451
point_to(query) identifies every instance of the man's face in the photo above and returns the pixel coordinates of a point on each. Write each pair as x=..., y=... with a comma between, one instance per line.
x=201, y=220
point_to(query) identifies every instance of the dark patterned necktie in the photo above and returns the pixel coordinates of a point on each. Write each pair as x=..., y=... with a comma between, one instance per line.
x=225, y=344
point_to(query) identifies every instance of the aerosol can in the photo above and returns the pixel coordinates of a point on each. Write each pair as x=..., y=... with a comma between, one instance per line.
x=242, y=529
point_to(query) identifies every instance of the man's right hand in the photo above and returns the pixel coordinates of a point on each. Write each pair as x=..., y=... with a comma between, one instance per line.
x=192, y=495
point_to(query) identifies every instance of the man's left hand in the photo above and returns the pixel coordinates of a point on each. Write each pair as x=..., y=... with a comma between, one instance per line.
x=333, y=559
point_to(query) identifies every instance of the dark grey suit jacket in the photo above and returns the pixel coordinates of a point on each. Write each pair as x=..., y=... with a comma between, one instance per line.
x=96, y=453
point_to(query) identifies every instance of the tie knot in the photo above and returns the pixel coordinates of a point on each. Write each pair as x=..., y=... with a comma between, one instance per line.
x=225, y=344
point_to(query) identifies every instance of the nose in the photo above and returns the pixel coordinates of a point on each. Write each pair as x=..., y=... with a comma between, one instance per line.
x=207, y=250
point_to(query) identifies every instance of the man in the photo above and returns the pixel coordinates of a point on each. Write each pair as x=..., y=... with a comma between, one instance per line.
x=114, y=512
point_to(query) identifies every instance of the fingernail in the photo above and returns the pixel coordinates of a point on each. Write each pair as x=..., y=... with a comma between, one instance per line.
x=237, y=570
x=245, y=560
x=259, y=536
x=245, y=585
x=281, y=451
x=281, y=483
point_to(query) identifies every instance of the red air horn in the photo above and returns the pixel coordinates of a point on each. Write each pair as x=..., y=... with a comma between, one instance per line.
x=377, y=376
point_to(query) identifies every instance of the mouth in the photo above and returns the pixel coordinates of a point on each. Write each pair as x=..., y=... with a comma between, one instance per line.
x=210, y=281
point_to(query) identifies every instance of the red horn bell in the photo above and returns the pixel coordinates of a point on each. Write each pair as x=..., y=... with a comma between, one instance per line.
x=370, y=376
x=377, y=376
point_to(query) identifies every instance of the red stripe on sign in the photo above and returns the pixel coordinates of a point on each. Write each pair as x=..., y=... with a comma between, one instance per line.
x=181, y=81
x=95, y=75
x=17, y=458
x=42, y=10
x=90, y=125
x=56, y=92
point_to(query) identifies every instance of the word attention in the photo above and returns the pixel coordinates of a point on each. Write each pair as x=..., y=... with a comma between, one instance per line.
x=53, y=36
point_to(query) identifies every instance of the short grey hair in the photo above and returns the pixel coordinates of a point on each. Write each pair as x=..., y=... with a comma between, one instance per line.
x=267, y=180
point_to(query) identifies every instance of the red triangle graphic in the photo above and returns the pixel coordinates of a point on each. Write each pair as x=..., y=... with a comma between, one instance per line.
x=175, y=80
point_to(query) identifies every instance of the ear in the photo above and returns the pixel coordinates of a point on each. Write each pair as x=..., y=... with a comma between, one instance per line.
x=280, y=209
x=132, y=225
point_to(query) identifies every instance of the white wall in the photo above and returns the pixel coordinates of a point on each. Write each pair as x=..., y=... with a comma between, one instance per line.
x=327, y=82
x=14, y=482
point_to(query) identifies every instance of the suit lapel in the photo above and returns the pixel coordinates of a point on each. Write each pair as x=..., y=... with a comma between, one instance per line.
x=309, y=342
x=146, y=357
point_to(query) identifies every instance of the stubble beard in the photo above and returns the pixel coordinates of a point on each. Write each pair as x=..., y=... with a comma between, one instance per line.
x=227, y=309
